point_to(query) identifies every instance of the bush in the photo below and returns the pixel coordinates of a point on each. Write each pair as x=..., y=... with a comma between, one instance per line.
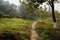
x=1, y=14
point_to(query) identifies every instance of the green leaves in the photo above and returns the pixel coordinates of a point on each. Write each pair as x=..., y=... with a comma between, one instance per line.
x=18, y=27
x=36, y=2
x=39, y=1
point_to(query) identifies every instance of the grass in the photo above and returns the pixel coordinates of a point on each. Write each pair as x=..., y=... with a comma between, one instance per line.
x=16, y=26
x=46, y=31
x=21, y=28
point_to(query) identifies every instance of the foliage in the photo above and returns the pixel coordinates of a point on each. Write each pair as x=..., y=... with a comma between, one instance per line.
x=49, y=34
x=39, y=1
x=1, y=14
x=16, y=26
x=30, y=11
x=46, y=31
x=6, y=7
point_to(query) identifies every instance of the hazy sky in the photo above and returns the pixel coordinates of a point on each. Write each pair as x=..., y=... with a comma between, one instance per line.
x=57, y=6
x=16, y=2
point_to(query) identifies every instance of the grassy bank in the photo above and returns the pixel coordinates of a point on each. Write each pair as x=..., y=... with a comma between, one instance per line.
x=46, y=31
x=20, y=28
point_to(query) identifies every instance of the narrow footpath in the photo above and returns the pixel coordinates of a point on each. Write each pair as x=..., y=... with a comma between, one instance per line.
x=34, y=34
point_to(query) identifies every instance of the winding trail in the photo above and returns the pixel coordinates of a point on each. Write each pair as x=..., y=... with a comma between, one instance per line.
x=34, y=34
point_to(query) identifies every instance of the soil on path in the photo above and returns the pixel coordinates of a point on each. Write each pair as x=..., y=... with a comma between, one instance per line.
x=34, y=34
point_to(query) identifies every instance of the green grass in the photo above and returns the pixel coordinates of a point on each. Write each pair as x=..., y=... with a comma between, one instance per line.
x=22, y=27
x=46, y=31
x=16, y=26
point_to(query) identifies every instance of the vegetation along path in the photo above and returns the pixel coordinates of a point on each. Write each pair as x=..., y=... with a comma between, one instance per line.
x=34, y=34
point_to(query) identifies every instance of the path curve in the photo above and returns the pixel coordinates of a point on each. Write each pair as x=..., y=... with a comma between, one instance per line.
x=34, y=34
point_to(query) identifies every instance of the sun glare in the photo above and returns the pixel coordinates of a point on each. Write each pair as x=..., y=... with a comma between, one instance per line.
x=16, y=2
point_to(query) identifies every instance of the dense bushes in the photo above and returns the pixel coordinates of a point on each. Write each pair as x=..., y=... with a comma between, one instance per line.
x=19, y=28
x=48, y=34
x=14, y=36
x=46, y=31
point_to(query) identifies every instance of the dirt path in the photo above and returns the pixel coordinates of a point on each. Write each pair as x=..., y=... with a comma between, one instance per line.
x=34, y=34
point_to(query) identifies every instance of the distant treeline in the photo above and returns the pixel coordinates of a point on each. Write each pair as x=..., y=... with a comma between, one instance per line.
x=8, y=10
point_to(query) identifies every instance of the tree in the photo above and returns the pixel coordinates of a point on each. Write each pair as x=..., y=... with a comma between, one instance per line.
x=36, y=3
x=40, y=1
x=51, y=2
x=29, y=10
